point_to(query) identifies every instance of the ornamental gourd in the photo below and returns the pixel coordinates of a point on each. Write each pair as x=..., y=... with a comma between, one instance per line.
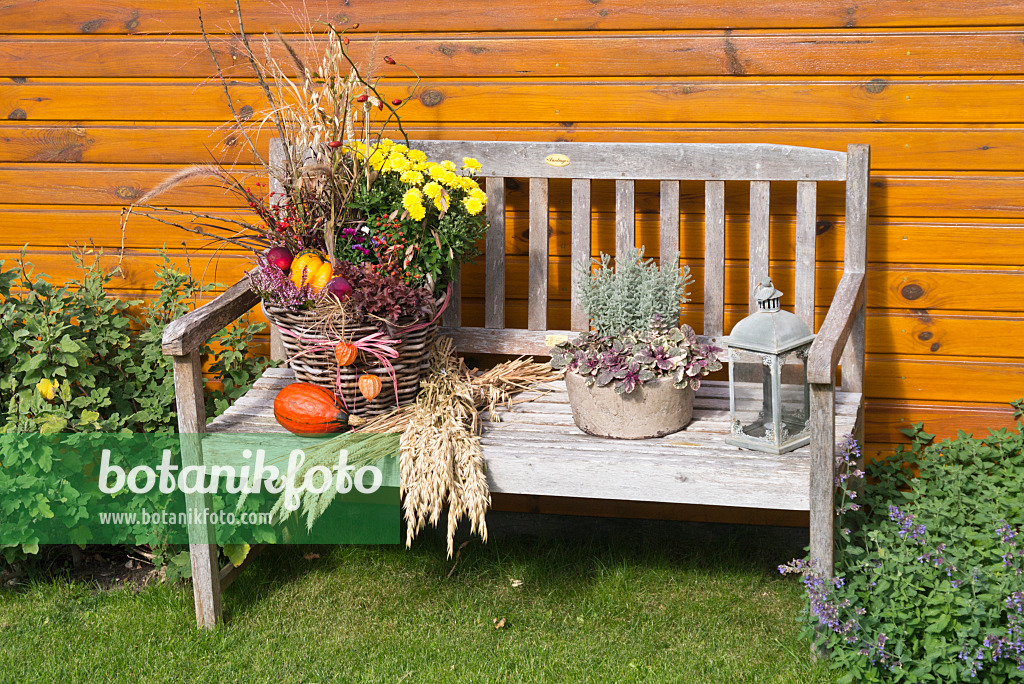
x=369, y=386
x=306, y=409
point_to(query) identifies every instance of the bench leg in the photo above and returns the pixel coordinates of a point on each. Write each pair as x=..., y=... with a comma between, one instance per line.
x=822, y=493
x=188, y=392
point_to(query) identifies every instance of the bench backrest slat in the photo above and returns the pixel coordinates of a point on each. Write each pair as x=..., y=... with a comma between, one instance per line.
x=714, y=258
x=625, y=216
x=537, y=317
x=760, y=236
x=806, y=219
x=581, y=222
x=494, y=278
x=669, y=222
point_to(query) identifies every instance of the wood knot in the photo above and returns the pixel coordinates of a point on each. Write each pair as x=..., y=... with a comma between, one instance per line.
x=876, y=85
x=925, y=336
x=19, y=79
x=127, y=192
x=245, y=113
x=431, y=98
x=92, y=25
x=822, y=227
x=912, y=291
x=446, y=50
x=18, y=115
x=934, y=347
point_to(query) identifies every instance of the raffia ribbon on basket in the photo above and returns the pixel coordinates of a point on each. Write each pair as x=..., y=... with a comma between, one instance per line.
x=375, y=344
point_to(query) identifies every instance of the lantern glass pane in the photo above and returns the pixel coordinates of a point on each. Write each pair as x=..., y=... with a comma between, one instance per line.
x=795, y=393
x=753, y=397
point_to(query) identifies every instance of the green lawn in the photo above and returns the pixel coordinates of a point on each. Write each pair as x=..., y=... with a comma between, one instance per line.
x=600, y=601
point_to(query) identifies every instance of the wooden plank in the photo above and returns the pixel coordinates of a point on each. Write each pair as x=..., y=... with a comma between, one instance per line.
x=927, y=380
x=934, y=147
x=714, y=258
x=452, y=315
x=946, y=196
x=645, y=161
x=968, y=99
x=495, y=254
x=931, y=290
x=669, y=218
x=759, y=239
x=625, y=217
x=161, y=17
x=822, y=487
x=203, y=551
x=742, y=52
x=538, y=280
x=893, y=241
x=839, y=323
x=806, y=235
x=581, y=249
x=885, y=418
x=536, y=341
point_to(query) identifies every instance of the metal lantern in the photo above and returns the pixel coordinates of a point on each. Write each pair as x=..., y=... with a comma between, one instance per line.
x=769, y=398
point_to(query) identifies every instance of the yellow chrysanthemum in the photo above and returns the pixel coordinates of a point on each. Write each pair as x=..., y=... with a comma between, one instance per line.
x=399, y=162
x=412, y=198
x=400, y=148
x=452, y=180
x=432, y=190
x=386, y=143
x=468, y=184
x=47, y=389
x=479, y=195
x=417, y=212
x=434, y=170
x=473, y=205
x=411, y=177
x=448, y=165
x=417, y=155
x=420, y=165
x=470, y=163
x=377, y=158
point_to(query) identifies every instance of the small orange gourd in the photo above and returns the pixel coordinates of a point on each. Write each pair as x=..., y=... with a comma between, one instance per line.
x=345, y=354
x=306, y=409
x=320, y=276
x=369, y=386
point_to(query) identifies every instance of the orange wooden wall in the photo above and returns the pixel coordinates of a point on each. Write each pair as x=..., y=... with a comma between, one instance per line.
x=101, y=99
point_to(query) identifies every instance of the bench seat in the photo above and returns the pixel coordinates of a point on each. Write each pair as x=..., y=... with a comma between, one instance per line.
x=537, y=449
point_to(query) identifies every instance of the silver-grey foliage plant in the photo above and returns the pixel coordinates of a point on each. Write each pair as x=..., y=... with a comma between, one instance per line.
x=627, y=298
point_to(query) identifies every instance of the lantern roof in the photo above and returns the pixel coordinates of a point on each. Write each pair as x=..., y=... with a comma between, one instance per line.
x=770, y=329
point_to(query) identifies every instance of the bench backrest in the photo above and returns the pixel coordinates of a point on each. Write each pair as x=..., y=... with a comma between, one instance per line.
x=669, y=163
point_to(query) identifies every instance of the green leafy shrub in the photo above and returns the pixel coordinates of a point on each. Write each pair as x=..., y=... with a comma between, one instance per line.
x=628, y=298
x=74, y=359
x=928, y=584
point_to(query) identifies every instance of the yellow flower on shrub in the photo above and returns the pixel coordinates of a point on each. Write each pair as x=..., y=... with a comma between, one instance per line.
x=418, y=156
x=398, y=162
x=470, y=163
x=417, y=212
x=432, y=190
x=47, y=389
x=452, y=180
x=434, y=170
x=411, y=177
x=448, y=165
x=473, y=205
x=412, y=200
x=479, y=195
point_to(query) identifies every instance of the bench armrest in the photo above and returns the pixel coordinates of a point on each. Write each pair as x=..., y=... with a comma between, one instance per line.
x=185, y=335
x=831, y=339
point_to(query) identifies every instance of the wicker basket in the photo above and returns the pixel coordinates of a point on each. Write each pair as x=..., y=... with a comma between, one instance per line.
x=319, y=367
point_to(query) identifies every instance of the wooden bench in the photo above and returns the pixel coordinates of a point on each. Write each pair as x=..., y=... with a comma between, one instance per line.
x=535, y=448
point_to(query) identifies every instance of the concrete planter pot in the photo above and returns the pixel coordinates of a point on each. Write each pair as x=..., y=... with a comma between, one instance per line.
x=653, y=409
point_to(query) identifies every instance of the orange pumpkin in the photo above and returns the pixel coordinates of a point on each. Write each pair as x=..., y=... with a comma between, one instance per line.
x=369, y=386
x=345, y=354
x=306, y=409
x=320, y=276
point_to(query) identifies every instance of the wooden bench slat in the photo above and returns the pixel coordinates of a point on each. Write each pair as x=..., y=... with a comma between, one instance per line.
x=537, y=318
x=494, y=292
x=625, y=216
x=806, y=215
x=646, y=161
x=760, y=216
x=669, y=221
x=453, y=312
x=714, y=258
x=581, y=227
